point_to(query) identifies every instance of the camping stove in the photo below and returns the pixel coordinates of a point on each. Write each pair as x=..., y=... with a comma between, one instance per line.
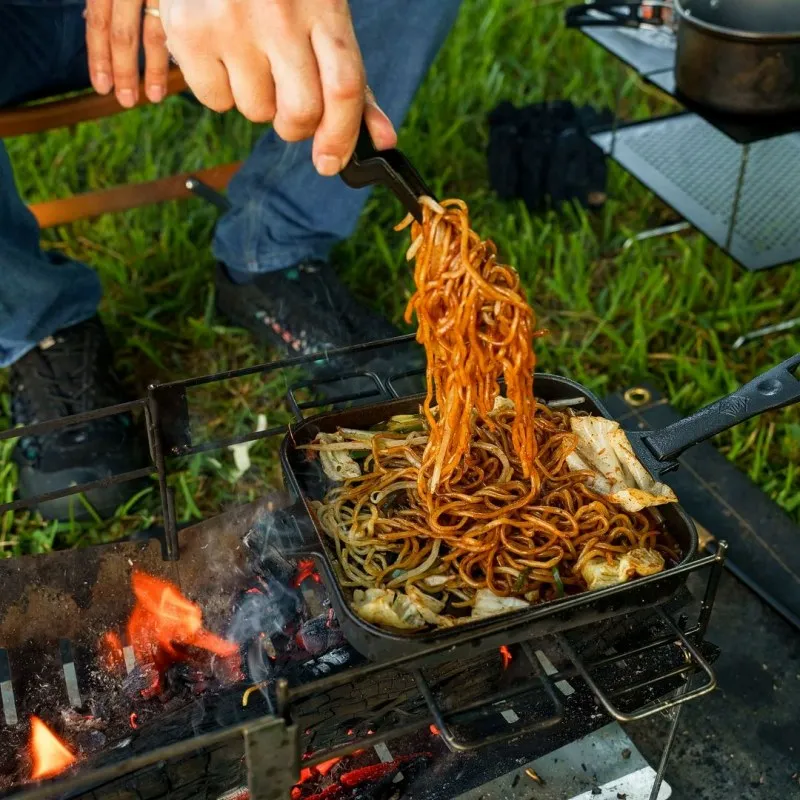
x=204, y=663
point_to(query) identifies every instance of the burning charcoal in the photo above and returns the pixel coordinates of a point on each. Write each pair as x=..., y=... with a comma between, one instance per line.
x=141, y=680
x=328, y=663
x=379, y=781
x=76, y=721
x=317, y=636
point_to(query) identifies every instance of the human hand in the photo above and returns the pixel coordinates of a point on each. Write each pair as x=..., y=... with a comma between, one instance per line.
x=114, y=29
x=295, y=63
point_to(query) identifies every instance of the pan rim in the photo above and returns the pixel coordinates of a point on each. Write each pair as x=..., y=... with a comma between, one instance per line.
x=735, y=34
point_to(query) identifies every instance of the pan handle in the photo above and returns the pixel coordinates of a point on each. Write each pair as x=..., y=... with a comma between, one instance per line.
x=776, y=388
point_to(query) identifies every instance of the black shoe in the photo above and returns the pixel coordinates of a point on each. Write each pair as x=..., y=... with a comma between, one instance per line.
x=70, y=373
x=307, y=310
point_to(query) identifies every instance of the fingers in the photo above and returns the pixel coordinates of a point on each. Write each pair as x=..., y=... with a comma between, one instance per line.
x=193, y=38
x=98, y=44
x=298, y=94
x=126, y=18
x=208, y=80
x=252, y=85
x=379, y=125
x=341, y=70
x=156, y=58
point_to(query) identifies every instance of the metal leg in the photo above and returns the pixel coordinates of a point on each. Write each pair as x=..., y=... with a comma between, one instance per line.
x=710, y=595
x=667, y=751
x=737, y=196
x=779, y=327
x=171, y=547
x=203, y=190
x=652, y=233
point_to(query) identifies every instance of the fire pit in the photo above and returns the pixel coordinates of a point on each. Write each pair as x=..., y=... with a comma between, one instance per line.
x=207, y=663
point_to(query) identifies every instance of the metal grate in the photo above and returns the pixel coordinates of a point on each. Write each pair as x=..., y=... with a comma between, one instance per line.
x=696, y=169
x=645, y=50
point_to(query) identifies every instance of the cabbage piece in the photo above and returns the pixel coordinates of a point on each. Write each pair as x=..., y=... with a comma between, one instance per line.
x=487, y=604
x=503, y=404
x=387, y=607
x=429, y=608
x=599, y=573
x=338, y=465
x=604, y=449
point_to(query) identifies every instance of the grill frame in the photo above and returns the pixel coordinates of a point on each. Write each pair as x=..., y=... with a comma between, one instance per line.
x=276, y=737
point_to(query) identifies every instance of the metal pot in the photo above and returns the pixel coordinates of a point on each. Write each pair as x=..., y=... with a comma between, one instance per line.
x=739, y=56
x=734, y=56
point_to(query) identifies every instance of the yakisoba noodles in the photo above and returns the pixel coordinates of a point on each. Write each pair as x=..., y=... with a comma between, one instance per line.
x=476, y=326
x=481, y=503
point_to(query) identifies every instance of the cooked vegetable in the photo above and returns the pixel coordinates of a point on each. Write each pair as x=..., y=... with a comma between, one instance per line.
x=601, y=572
x=604, y=449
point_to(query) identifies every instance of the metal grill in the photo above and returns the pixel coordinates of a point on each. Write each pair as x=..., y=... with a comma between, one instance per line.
x=655, y=675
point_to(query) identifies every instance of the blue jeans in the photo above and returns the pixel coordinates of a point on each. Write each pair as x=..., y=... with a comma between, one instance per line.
x=282, y=213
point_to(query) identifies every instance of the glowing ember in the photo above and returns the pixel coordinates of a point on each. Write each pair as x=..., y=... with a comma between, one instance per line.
x=50, y=755
x=326, y=766
x=506, y=654
x=111, y=651
x=134, y=723
x=305, y=569
x=434, y=730
x=306, y=774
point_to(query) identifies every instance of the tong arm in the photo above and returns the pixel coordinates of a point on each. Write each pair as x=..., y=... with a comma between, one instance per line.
x=391, y=168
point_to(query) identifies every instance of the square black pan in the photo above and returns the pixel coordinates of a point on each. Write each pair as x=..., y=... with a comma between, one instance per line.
x=307, y=482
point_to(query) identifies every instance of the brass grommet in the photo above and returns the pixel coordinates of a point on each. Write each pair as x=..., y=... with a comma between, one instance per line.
x=637, y=396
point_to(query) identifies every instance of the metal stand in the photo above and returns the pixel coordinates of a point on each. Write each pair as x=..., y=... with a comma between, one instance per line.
x=751, y=233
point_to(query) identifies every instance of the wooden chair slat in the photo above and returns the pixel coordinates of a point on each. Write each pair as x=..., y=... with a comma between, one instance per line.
x=122, y=198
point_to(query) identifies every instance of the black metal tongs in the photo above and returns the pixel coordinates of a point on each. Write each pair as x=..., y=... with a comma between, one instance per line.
x=391, y=168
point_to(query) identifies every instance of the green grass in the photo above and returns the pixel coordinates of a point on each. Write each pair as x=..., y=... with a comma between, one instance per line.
x=666, y=310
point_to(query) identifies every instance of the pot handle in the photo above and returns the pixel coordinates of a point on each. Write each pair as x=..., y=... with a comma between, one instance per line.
x=585, y=15
x=776, y=388
x=615, y=15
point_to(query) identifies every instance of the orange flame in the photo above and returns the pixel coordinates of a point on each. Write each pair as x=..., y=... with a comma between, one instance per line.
x=50, y=755
x=506, y=654
x=164, y=623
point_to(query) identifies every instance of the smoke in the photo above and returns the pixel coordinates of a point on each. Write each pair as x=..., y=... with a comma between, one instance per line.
x=270, y=605
x=266, y=610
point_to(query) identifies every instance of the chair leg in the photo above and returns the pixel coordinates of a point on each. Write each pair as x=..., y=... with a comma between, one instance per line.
x=122, y=198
